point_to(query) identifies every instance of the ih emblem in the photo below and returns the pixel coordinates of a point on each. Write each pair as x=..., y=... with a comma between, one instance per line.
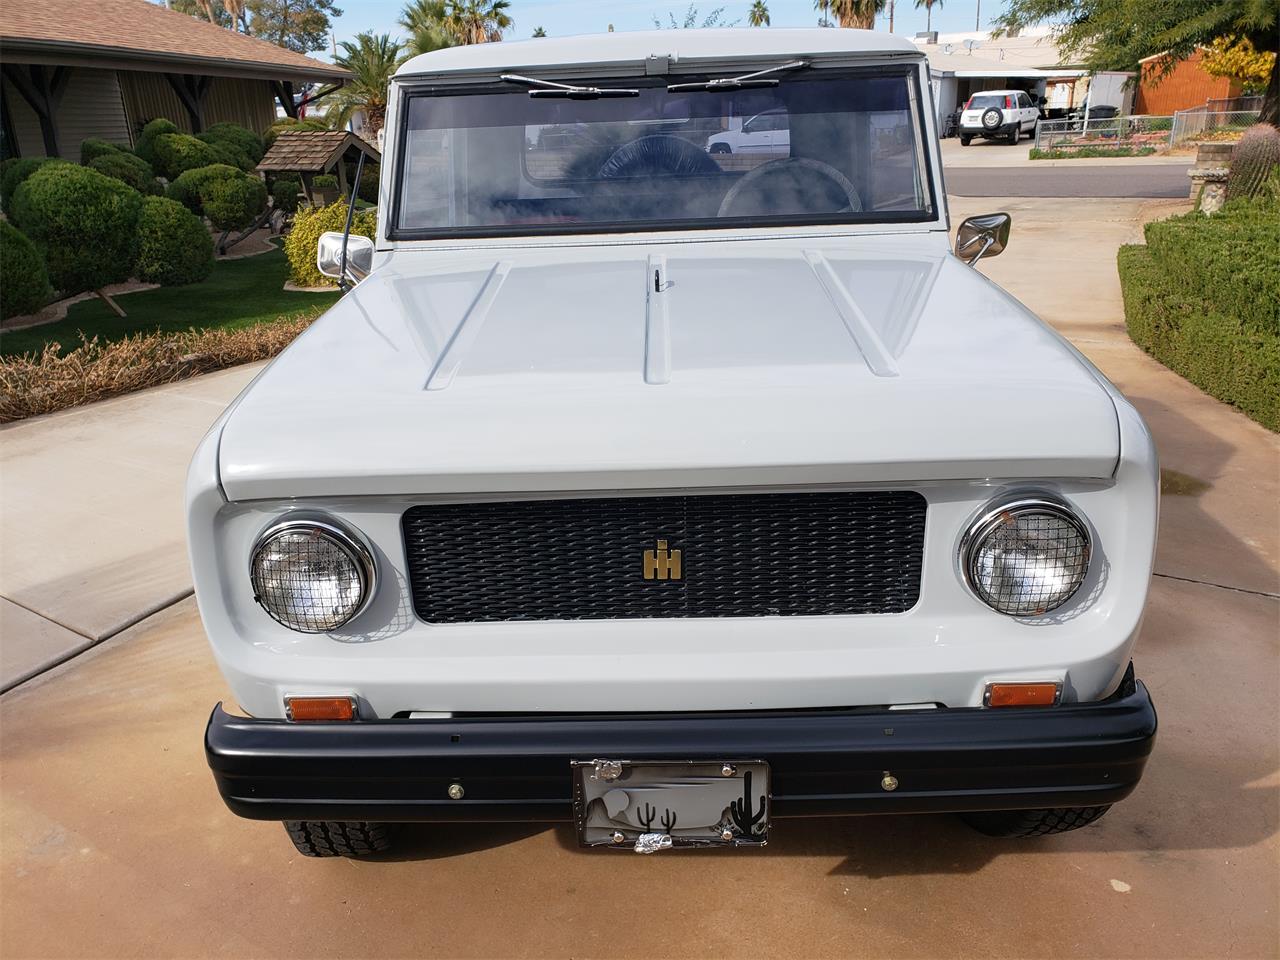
x=662, y=564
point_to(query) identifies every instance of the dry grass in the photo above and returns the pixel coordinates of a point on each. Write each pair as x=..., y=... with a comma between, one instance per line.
x=32, y=384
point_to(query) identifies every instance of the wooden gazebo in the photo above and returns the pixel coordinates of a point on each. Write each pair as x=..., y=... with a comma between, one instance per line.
x=311, y=152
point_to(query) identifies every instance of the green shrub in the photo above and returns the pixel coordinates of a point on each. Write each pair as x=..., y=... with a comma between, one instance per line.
x=368, y=191
x=325, y=181
x=1071, y=153
x=173, y=245
x=233, y=203
x=25, y=287
x=284, y=194
x=86, y=224
x=242, y=138
x=1254, y=161
x=280, y=126
x=93, y=147
x=300, y=244
x=1203, y=297
x=176, y=153
x=186, y=188
x=129, y=169
x=15, y=173
x=229, y=153
x=145, y=147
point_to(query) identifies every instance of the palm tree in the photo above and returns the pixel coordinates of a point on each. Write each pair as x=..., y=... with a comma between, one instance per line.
x=758, y=15
x=478, y=21
x=859, y=14
x=372, y=59
x=539, y=32
x=425, y=21
x=928, y=11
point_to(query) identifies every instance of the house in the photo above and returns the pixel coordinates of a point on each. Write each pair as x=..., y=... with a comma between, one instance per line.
x=74, y=69
x=1183, y=87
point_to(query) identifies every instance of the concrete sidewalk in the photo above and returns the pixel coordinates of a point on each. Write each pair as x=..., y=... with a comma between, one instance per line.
x=92, y=528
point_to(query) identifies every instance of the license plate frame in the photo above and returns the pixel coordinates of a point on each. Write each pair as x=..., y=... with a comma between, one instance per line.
x=694, y=783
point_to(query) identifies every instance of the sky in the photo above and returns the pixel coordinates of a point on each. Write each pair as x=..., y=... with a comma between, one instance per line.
x=566, y=17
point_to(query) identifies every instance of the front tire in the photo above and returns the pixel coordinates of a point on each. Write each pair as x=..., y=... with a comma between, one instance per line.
x=1014, y=136
x=1033, y=823
x=965, y=139
x=720, y=148
x=332, y=838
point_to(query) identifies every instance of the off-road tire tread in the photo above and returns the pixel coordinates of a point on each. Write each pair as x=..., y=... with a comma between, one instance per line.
x=1033, y=823
x=333, y=838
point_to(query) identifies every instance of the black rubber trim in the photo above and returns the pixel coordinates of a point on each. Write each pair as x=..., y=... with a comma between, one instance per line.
x=823, y=762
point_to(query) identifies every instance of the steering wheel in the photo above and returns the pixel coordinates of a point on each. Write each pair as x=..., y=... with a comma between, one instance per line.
x=831, y=181
x=657, y=155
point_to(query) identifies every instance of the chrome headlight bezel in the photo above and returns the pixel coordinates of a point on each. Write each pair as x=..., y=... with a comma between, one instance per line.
x=338, y=535
x=998, y=512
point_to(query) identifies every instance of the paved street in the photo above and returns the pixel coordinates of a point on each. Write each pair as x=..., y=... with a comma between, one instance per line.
x=1137, y=181
x=113, y=841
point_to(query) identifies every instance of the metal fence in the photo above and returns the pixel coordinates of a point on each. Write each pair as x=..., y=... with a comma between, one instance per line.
x=1201, y=124
x=1109, y=132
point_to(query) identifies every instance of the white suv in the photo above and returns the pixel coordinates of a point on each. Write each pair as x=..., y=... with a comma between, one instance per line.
x=998, y=114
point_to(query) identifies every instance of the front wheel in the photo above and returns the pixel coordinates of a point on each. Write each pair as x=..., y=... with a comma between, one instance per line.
x=333, y=838
x=721, y=148
x=1014, y=136
x=965, y=139
x=1033, y=823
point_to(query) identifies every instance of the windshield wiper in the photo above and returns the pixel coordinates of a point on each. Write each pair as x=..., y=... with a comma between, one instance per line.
x=565, y=91
x=758, y=79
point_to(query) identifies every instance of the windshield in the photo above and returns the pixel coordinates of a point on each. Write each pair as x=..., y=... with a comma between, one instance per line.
x=818, y=148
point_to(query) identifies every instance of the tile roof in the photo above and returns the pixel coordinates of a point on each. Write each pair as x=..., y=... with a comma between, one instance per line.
x=312, y=151
x=146, y=31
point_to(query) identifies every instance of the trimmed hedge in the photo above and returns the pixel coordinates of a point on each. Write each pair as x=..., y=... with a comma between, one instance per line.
x=242, y=138
x=26, y=283
x=229, y=153
x=1203, y=297
x=233, y=203
x=84, y=223
x=146, y=145
x=368, y=191
x=128, y=169
x=186, y=188
x=15, y=172
x=284, y=194
x=300, y=243
x=93, y=148
x=284, y=124
x=173, y=245
x=176, y=153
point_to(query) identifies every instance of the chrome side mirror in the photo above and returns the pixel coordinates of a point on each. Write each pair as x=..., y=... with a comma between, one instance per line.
x=359, y=256
x=984, y=236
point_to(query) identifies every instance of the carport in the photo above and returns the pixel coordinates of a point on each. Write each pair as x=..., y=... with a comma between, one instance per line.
x=957, y=75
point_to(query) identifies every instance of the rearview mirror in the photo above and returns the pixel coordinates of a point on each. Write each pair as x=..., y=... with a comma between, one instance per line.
x=984, y=236
x=359, y=256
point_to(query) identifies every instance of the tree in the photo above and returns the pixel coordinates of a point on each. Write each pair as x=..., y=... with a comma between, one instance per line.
x=372, y=59
x=425, y=21
x=539, y=32
x=1236, y=59
x=298, y=25
x=210, y=10
x=478, y=21
x=713, y=19
x=859, y=14
x=1116, y=34
x=928, y=11
x=758, y=15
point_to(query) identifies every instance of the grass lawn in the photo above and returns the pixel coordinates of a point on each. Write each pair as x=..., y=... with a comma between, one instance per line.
x=238, y=293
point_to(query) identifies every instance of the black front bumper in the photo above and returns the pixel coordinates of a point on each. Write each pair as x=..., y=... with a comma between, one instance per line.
x=823, y=762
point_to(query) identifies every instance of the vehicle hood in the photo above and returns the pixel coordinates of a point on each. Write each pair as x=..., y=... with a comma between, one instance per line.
x=877, y=358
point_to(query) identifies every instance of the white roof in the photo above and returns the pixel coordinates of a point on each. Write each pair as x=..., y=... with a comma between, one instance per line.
x=599, y=48
x=967, y=65
x=1035, y=47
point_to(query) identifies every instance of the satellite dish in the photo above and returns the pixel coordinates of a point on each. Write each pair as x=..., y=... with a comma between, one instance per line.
x=970, y=44
x=948, y=48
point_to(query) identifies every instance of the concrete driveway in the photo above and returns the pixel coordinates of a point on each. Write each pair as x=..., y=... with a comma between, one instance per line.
x=113, y=841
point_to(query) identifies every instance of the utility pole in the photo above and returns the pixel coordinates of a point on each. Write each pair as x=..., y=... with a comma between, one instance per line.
x=891, y=2
x=977, y=16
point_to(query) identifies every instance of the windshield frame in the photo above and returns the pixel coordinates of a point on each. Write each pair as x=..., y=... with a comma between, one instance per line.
x=932, y=216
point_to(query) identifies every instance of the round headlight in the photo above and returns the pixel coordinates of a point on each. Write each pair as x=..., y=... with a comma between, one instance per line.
x=1026, y=557
x=311, y=575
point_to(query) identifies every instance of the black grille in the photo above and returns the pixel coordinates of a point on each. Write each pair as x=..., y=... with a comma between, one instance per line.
x=752, y=555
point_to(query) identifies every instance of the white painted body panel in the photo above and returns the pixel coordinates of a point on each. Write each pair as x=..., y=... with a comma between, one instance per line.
x=860, y=357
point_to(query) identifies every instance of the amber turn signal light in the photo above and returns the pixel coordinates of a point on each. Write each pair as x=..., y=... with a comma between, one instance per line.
x=320, y=708
x=1022, y=694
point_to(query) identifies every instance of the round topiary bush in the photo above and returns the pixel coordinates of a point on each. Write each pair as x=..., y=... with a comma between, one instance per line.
x=368, y=191
x=300, y=244
x=286, y=124
x=186, y=188
x=284, y=194
x=94, y=147
x=176, y=153
x=233, y=203
x=129, y=169
x=242, y=138
x=84, y=223
x=325, y=181
x=15, y=173
x=173, y=245
x=146, y=145
x=26, y=282
x=229, y=153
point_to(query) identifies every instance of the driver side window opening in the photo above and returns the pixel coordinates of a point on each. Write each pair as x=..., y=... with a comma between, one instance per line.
x=821, y=147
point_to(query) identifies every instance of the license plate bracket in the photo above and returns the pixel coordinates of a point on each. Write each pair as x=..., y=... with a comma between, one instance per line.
x=694, y=803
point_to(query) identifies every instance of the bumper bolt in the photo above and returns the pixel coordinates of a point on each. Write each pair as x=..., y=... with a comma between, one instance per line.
x=728, y=770
x=456, y=792
x=888, y=781
x=618, y=837
x=726, y=834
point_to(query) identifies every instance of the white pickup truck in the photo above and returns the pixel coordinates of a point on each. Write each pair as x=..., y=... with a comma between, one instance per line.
x=672, y=493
